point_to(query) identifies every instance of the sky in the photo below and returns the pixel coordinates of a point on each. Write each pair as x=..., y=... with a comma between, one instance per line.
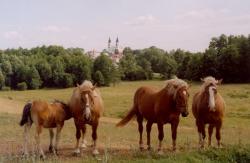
x=167, y=24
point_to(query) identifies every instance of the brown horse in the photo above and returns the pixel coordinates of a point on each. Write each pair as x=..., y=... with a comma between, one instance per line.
x=208, y=108
x=161, y=107
x=86, y=106
x=44, y=115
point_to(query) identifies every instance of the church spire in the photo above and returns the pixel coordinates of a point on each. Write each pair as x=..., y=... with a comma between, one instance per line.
x=109, y=42
x=117, y=43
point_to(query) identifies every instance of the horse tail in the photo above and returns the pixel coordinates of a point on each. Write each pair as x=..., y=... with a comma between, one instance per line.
x=127, y=118
x=26, y=117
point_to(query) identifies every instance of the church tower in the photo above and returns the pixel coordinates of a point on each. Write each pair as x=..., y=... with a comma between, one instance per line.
x=117, y=43
x=109, y=43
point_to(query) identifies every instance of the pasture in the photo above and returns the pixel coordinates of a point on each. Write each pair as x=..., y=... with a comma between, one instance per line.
x=121, y=144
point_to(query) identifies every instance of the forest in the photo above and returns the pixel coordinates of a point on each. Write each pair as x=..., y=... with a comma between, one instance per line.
x=227, y=57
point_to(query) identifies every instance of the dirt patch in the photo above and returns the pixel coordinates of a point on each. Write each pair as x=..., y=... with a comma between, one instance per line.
x=10, y=106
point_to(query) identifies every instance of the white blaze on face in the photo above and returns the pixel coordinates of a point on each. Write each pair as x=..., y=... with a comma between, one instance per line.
x=211, y=102
x=185, y=93
x=87, y=108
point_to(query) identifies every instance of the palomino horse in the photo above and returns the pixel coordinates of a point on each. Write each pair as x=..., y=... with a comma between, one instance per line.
x=86, y=107
x=208, y=108
x=161, y=107
x=44, y=115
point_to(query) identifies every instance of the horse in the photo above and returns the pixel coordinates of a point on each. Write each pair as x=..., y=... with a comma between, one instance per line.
x=86, y=106
x=44, y=115
x=161, y=107
x=208, y=107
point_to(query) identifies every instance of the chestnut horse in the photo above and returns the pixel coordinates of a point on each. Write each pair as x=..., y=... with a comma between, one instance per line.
x=86, y=107
x=208, y=108
x=161, y=107
x=44, y=115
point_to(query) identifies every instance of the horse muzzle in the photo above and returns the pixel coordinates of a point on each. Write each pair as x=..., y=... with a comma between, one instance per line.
x=184, y=114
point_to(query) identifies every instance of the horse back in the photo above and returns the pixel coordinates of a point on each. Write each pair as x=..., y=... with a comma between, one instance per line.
x=46, y=114
x=144, y=101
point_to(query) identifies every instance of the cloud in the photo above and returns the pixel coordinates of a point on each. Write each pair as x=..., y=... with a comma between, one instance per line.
x=12, y=35
x=141, y=20
x=54, y=28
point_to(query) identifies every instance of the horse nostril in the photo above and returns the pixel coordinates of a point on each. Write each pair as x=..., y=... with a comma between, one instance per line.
x=185, y=114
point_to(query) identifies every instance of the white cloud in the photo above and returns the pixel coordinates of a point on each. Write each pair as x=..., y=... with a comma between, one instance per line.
x=12, y=35
x=141, y=20
x=54, y=28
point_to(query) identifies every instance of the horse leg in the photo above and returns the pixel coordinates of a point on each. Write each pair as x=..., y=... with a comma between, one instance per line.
x=210, y=133
x=26, y=138
x=149, y=126
x=202, y=134
x=174, y=126
x=140, y=128
x=218, y=135
x=51, y=146
x=37, y=137
x=84, y=142
x=160, y=137
x=78, y=136
x=58, y=135
x=94, y=137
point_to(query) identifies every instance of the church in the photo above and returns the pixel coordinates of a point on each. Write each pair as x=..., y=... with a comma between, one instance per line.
x=115, y=52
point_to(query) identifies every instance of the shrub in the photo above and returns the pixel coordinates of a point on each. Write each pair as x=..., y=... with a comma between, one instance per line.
x=22, y=86
x=6, y=88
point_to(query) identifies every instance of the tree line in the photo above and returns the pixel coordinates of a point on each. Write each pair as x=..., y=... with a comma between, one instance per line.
x=226, y=57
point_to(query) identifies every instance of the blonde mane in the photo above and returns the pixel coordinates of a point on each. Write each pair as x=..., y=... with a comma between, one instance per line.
x=173, y=85
x=207, y=81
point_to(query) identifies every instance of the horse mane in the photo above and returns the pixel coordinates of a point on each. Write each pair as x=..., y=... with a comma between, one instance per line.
x=173, y=85
x=207, y=81
x=66, y=108
x=86, y=84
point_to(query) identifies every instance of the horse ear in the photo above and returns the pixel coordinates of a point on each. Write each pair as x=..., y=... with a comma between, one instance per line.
x=77, y=85
x=202, y=79
x=189, y=85
x=93, y=88
x=220, y=81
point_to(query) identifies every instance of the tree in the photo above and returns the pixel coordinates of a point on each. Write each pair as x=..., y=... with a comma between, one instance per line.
x=104, y=64
x=98, y=78
x=2, y=80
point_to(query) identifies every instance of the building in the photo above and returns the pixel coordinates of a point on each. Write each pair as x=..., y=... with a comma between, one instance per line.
x=114, y=52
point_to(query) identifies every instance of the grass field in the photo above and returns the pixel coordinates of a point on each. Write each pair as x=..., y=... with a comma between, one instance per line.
x=121, y=144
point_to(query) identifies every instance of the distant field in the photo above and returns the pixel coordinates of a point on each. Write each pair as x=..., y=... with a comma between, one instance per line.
x=121, y=144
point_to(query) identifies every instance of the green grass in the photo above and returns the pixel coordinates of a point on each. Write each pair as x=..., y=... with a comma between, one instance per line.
x=121, y=144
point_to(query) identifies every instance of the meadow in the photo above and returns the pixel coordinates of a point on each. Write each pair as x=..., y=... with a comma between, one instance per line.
x=121, y=144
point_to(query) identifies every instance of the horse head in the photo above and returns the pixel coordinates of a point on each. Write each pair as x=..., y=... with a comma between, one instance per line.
x=87, y=100
x=181, y=100
x=210, y=88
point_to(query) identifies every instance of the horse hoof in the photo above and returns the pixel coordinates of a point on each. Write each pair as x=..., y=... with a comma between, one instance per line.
x=83, y=145
x=25, y=155
x=160, y=152
x=42, y=157
x=76, y=152
x=149, y=149
x=95, y=152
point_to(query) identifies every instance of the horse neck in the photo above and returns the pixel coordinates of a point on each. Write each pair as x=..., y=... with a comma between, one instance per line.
x=165, y=97
x=67, y=112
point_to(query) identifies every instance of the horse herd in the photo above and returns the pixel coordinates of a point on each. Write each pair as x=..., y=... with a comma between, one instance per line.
x=156, y=106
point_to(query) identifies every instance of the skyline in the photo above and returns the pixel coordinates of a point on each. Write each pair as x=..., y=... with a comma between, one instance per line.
x=138, y=24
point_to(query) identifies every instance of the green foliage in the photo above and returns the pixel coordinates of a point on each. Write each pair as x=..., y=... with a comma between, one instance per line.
x=104, y=64
x=2, y=80
x=98, y=78
x=22, y=86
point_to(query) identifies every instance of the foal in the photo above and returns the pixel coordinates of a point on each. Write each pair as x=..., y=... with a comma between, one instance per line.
x=208, y=108
x=44, y=115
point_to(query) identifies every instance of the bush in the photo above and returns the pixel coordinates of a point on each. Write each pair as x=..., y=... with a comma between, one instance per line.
x=22, y=86
x=98, y=78
x=6, y=88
